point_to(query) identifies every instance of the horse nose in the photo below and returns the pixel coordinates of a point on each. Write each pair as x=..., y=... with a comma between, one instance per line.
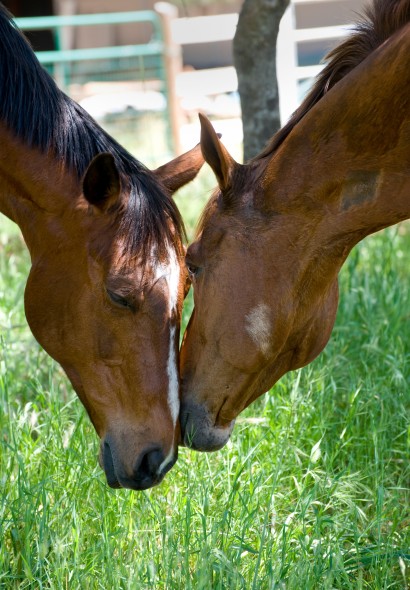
x=199, y=431
x=149, y=465
x=149, y=468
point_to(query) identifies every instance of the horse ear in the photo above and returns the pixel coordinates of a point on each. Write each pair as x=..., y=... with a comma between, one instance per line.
x=181, y=170
x=101, y=184
x=216, y=154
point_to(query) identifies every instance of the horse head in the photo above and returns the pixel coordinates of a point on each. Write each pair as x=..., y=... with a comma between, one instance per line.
x=104, y=299
x=258, y=311
x=276, y=232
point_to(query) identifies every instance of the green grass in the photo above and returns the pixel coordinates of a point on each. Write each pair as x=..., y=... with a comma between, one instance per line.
x=312, y=492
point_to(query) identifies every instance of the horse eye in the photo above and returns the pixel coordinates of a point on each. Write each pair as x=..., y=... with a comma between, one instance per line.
x=119, y=300
x=192, y=270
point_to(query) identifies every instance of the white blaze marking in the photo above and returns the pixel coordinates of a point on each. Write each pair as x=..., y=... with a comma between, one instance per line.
x=259, y=326
x=172, y=371
x=172, y=365
x=171, y=274
x=173, y=280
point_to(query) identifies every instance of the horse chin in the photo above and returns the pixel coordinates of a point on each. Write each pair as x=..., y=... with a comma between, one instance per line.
x=199, y=431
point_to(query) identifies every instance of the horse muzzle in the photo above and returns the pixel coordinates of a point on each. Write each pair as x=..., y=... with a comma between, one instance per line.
x=148, y=470
x=199, y=431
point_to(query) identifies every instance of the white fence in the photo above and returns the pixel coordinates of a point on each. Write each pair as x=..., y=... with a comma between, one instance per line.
x=289, y=72
x=211, y=29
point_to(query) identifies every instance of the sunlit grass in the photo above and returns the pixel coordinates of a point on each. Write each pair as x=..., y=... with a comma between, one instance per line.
x=312, y=492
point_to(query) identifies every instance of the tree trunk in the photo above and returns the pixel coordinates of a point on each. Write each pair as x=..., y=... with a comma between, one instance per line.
x=254, y=48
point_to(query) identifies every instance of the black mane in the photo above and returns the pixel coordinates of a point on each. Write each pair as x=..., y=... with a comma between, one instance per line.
x=39, y=113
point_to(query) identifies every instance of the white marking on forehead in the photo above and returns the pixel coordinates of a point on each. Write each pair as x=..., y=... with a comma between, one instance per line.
x=173, y=279
x=259, y=326
x=171, y=272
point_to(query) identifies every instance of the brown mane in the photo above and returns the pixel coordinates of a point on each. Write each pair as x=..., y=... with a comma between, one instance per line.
x=379, y=22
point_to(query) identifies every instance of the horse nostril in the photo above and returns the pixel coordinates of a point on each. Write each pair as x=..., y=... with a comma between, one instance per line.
x=149, y=464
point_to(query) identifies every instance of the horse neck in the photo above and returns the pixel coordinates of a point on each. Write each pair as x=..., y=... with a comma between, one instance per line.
x=343, y=172
x=35, y=188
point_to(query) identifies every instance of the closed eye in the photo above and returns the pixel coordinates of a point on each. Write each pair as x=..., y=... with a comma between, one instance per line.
x=192, y=269
x=121, y=301
x=191, y=260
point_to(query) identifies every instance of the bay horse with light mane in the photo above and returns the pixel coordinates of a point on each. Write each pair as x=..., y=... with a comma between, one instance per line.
x=107, y=280
x=275, y=234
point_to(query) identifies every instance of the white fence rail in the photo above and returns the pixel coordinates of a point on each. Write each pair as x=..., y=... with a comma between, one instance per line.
x=212, y=29
x=289, y=72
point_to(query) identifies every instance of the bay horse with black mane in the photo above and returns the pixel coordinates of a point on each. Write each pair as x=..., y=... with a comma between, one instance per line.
x=107, y=280
x=275, y=234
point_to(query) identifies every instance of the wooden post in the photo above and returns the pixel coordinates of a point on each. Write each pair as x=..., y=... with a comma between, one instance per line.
x=173, y=66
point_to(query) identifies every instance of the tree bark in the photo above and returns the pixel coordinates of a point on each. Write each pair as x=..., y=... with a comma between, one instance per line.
x=254, y=48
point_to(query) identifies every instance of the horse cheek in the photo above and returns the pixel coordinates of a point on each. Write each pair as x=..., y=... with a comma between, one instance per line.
x=44, y=308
